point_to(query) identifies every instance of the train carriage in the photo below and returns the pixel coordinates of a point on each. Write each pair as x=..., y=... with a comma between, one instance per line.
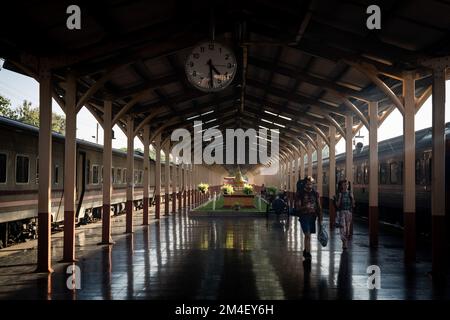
x=19, y=178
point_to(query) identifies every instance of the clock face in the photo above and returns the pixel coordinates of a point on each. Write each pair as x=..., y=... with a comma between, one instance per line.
x=211, y=67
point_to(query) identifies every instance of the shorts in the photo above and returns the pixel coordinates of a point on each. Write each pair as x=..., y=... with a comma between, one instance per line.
x=308, y=223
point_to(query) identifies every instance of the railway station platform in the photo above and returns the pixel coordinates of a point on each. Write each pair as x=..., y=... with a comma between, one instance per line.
x=183, y=257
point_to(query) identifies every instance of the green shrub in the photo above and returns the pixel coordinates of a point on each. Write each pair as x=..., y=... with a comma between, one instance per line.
x=248, y=189
x=227, y=189
x=203, y=187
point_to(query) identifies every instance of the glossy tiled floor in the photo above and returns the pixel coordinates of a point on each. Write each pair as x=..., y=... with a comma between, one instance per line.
x=225, y=258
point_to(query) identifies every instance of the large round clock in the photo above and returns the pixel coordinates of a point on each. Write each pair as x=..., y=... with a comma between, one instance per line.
x=211, y=67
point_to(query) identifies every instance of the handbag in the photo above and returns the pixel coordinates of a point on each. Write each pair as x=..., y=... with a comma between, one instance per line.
x=323, y=236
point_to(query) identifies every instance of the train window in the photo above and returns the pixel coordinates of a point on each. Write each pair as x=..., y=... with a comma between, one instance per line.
x=136, y=176
x=37, y=170
x=88, y=172
x=113, y=177
x=2, y=168
x=95, y=174
x=366, y=174
x=101, y=175
x=383, y=173
x=420, y=177
x=22, y=169
x=141, y=176
x=125, y=176
x=358, y=175
x=396, y=173
x=56, y=175
x=118, y=175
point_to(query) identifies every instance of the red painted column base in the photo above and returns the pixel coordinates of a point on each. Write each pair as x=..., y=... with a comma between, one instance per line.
x=409, y=222
x=129, y=217
x=166, y=204
x=184, y=199
x=189, y=199
x=145, y=211
x=174, y=202
x=157, y=206
x=44, y=263
x=438, y=247
x=69, y=237
x=373, y=226
x=332, y=213
x=106, y=225
x=180, y=204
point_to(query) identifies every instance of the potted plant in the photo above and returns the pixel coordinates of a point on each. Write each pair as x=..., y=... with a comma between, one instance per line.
x=248, y=189
x=203, y=187
x=237, y=206
x=227, y=189
x=271, y=193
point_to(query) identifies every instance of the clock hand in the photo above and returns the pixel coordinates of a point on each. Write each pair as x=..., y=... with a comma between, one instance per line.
x=215, y=70
x=210, y=73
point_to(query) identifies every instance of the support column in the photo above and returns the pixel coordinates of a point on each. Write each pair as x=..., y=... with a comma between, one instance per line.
x=332, y=176
x=130, y=175
x=70, y=169
x=146, y=174
x=180, y=184
x=191, y=187
x=310, y=165
x=194, y=187
x=349, y=153
x=44, y=261
x=439, y=253
x=373, y=173
x=349, y=148
x=302, y=164
x=174, y=187
x=167, y=178
x=185, y=186
x=107, y=168
x=296, y=174
x=319, y=168
x=409, y=174
x=157, y=194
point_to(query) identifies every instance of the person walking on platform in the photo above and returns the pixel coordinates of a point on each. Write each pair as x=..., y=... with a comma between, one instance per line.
x=307, y=203
x=345, y=202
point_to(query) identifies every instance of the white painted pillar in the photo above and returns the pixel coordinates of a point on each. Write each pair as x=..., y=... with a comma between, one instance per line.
x=180, y=186
x=439, y=250
x=130, y=175
x=409, y=165
x=302, y=164
x=373, y=173
x=349, y=147
x=296, y=174
x=332, y=175
x=44, y=261
x=107, y=172
x=146, y=195
x=157, y=194
x=70, y=152
x=310, y=162
x=167, y=178
x=174, y=186
x=319, y=166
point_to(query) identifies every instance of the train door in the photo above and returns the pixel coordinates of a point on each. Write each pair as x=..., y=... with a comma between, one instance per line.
x=80, y=179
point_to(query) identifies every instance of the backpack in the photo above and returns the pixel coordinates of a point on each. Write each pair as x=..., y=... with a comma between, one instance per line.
x=301, y=194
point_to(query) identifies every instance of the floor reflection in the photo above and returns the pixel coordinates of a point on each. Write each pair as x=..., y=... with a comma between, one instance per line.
x=179, y=257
